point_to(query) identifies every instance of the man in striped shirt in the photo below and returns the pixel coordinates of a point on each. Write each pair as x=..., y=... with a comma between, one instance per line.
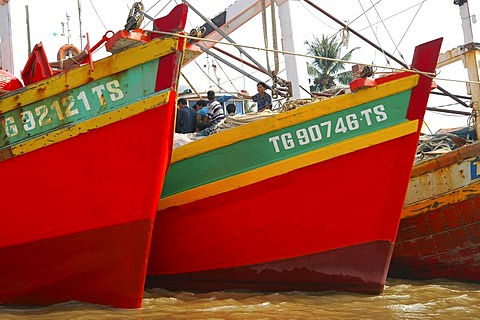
x=215, y=112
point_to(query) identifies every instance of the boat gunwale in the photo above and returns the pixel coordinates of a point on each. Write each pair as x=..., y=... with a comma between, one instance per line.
x=68, y=131
x=286, y=119
x=444, y=160
x=284, y=166
x=82, y=75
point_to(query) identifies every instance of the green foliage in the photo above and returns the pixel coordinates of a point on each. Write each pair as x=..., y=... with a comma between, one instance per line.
x=247, y=107
x=326, y=73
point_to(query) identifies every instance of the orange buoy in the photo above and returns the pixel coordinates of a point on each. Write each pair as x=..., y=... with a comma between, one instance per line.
x=67, y=50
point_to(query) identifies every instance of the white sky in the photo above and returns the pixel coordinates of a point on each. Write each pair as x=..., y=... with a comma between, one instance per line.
x=431, y=19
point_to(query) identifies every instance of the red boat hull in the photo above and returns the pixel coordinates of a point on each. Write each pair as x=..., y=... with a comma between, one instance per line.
x=276, y=205
x=439, y=233
x=75, y=235
x=86, y=266
x=444, y=243
x=83, y=159
x=306, y=273
x=286, y=221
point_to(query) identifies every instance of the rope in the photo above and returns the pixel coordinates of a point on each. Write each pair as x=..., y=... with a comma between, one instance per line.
x=437, y=143
x=388, y=32
x=210, y=78
x=235, y=121
x=98, y=16
x=374, y=33
x=265, y=38
x=226, y=75
x=317, y=57
x=408, y=28
x=430, y=146
x=295, y=54
x=186, y=79
x=273, y=73
x=389, y=17
x=265, y=35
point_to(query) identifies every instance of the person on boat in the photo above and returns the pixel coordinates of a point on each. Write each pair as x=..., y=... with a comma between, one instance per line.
x=215, y=112
x=186, y=118
x=201, y=109
x=263, y=99
x=231, y=109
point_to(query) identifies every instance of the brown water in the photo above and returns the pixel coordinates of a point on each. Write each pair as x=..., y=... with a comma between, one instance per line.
x=433, y=299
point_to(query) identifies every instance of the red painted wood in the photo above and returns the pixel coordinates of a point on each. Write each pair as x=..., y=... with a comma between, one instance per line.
x=314, y=272
x=8, y=82
x=444, y=243
x=107, y=178
x=101, y=266
x=173, y=22
x=300, y=213
x=362, y=83
x=77, y=215
x=341, y=205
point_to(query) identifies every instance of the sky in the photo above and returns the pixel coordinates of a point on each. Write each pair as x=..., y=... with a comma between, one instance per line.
x=397, y=26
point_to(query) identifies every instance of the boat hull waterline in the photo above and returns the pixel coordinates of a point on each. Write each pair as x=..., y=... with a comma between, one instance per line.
x=439, y=233
x=83, y=162
x=309, y=199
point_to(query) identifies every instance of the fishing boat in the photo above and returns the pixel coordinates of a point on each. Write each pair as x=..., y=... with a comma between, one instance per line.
x=439, y=232
x=307, y=199
x=83, y=156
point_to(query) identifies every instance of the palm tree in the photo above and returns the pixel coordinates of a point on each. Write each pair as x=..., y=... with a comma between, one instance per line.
x=325, y=72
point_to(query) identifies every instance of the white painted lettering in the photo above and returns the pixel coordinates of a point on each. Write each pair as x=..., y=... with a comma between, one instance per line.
x=287, y=141
x=380, y=112
x=115, y=92
x=274, y=140
x=366, y=113
x=98, y=91
x=352, y=122
x=302, y=136
x=28, y=120
x=11, y=129
x=315, y=133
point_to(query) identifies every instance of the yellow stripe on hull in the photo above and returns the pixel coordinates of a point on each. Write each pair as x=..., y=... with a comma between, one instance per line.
x=90, y=124
x=80, y=76
x=287, y=119
x=444, y=200
x=284, y=166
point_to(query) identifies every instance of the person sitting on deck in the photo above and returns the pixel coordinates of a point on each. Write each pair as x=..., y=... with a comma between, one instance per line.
x=215, y=112
x=231, y=109
x=186, y=118
x=201, y=109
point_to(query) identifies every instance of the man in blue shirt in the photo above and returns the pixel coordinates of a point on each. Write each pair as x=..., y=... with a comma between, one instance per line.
x=186, y=118
x=263, y=99
x=201, y=110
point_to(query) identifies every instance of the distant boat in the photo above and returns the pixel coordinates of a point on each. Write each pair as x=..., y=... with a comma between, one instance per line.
x=439, y=234
x=308, y=199
x=83, y=156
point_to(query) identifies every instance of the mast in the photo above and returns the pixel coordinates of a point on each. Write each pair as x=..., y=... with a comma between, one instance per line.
x=296, y=68
x=6, y=52
x=471, y=58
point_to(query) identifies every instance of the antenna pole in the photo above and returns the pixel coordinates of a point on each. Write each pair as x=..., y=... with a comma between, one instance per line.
x=27, y=15
x=80, y=23
x=68, y=27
